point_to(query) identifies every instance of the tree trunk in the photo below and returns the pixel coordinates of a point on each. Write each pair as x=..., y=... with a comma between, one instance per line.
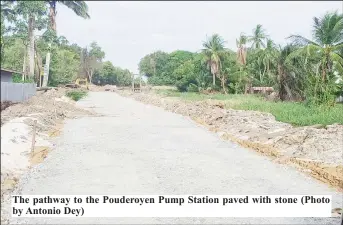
x=24, y=67
x=91, y=77
x=46, y=69
x=31, y=47
x=214, y=79
x=52, y=16
x=214, y=71
x=282, y=89
x=223, y=83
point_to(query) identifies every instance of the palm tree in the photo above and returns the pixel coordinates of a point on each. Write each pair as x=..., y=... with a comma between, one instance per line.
x=258, y=37
x=327, y=43
x=283, y=69
x=213, y=50
x=79, y=7
x=242, y=51
x=291, y=72
x=268, y=58
x=242, y=60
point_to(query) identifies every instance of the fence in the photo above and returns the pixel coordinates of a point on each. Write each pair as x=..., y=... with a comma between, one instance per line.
x=17, y=92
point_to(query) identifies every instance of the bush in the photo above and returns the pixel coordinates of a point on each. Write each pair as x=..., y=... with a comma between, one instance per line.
x=182, y=85
x=76, y=95
x=192, y=88
x=17, y=78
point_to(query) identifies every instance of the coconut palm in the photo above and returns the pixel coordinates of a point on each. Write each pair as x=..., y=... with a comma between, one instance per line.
x=258, y=37
x=79, y=7
x=269, y=55
x=213, y=50
x=242, y=51
x=327, y=43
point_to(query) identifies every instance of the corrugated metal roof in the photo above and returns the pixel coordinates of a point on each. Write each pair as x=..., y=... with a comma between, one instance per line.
x=11, y=71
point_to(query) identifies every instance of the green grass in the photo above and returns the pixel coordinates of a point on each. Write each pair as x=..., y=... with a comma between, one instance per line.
x=76, y=95
x=294, y=113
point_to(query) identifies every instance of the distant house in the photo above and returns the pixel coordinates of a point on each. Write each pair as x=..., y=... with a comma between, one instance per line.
x=6, y=75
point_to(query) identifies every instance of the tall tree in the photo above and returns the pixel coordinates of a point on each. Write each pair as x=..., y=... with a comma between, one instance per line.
x=7, y=14
x=242, y=50
x=79, y=7
x=258, y=37
x=31, y=15
x=327, y=43
x=268, y=57
x=91, y=60
x=213, y=50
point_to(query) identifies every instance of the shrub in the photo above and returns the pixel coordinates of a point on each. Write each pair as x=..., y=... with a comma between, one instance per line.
x=76, y=95
x=17, y=78
x=192, y=88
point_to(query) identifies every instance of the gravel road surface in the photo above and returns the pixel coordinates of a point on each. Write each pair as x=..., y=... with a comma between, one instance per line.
x=141, y=149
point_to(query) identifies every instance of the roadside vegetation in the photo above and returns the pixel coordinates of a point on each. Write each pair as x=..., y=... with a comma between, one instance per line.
x=306, y=74
x=307, y=69
x=76, y=95
x=23, y=51
x=295, y=113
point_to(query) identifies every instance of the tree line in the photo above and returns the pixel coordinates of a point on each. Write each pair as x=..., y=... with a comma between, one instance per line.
x=49, y=59
x=306, y=69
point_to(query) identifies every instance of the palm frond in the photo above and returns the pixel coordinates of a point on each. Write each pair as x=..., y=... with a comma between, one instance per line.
x=300, y=40
x=79, y=7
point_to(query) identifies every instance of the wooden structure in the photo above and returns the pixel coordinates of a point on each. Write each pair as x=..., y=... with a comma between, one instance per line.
x=263, y=90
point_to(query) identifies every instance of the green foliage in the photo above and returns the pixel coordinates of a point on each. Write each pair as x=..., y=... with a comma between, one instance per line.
x=13, y=57
x=153, y=64
x=258, y=37
x=17, y=78
x=26, y=9
x=96, y=51
x=192, y=88
x=76, y=95
x=322, y=58
x=64, y=67
x=213, y=51
x=295, y=113
x=80, y=8
x=109, y=74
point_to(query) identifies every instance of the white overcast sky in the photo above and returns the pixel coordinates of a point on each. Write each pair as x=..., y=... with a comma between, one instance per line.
x=127, y=31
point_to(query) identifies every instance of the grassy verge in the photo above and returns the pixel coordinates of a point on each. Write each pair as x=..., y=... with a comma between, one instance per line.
x=294, y=113
x=76, y=95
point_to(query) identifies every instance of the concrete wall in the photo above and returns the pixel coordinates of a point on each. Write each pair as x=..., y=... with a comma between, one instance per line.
x=17, y=92
x=6, y=76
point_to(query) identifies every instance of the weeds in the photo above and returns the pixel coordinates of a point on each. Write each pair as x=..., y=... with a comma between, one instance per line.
x=295, y=113
x=76, y=95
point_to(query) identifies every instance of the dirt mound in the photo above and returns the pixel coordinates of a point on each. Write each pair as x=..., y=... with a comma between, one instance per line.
x=106, y=87
x=46, y=106
x=315, y=148
x=49, y=108
x=6, y=104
